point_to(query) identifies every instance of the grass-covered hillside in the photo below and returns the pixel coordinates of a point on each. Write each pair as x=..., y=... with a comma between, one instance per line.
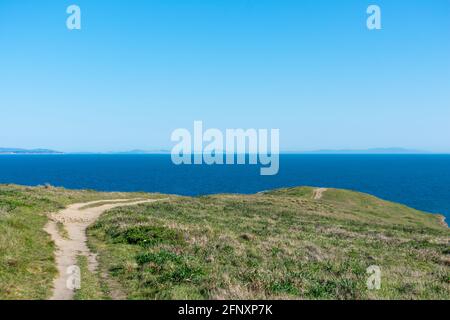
x=26, y=252
x=282, y=244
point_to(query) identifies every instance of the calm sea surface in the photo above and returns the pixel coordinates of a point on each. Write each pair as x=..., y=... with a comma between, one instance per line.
x=420, y=181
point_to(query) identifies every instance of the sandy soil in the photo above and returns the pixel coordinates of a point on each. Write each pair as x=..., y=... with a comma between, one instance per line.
x=75, y=221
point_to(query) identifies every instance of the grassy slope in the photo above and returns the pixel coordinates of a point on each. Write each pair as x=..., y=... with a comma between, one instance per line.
x=26, y=251
x=280, y=244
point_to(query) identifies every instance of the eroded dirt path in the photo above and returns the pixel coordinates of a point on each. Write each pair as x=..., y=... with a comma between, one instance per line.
x=317, y=193
x=75, y=220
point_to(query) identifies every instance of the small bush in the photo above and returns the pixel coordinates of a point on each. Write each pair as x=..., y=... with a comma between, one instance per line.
x=149, y=236
x=159, y=258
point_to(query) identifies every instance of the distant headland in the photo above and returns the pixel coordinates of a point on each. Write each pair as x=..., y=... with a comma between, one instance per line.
x=27, y=151
x=166, y=151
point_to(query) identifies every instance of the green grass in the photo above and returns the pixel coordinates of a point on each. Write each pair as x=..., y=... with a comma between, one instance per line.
x=281, y=244
x=27, y=265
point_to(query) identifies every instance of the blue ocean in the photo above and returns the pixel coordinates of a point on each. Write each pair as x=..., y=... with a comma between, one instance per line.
x=419, y=181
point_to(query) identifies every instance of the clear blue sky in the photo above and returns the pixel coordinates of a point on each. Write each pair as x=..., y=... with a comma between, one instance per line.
x=140, y=69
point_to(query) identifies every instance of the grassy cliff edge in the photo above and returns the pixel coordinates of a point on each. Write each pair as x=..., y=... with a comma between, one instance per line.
x=280, y=244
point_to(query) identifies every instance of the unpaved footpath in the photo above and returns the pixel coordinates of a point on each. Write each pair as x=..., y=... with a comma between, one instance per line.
x=76, y=219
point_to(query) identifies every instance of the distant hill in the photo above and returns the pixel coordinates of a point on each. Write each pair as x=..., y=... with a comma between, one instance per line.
x=138, y=151
x=27, y=151
x=369, y=151
x=163, y=151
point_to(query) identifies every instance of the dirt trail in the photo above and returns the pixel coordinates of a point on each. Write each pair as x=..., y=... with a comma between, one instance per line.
x=75, y=221
x=317, y=193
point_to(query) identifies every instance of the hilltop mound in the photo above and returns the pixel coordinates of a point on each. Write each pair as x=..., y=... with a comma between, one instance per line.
x=278, y=244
